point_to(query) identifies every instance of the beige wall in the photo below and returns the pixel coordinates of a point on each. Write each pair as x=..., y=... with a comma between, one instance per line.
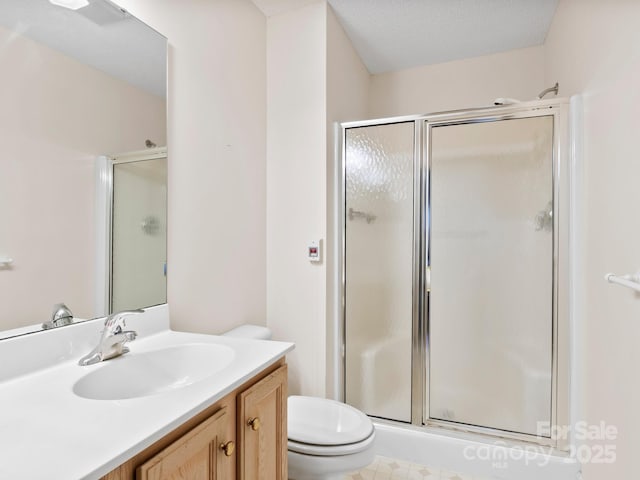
x=218, y=231
x=592, y=48
x=296, y=188
x=217, y=148
x=57, y=116
x=217, y=132
x=218, y=228
x=313, y=83
x=473, y=82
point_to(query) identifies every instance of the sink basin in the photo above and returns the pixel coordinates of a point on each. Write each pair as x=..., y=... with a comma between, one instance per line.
x=149, y=373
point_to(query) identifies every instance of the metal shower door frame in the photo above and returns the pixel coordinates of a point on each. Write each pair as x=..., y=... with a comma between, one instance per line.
x=420, y=300
x=559, y=394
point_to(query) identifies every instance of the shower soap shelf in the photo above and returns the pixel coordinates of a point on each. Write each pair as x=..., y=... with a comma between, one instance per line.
x=631, y=280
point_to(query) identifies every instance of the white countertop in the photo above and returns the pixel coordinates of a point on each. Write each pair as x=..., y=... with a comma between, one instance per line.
x=47, y=431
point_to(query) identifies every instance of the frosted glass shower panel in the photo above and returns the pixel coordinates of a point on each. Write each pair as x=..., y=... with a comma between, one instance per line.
x=139, y=243
x=379, y=165
x=491, y=257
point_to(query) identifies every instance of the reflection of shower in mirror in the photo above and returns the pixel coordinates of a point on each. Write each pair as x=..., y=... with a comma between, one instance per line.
x=544, y=219
x=5, y=262
x=150, y=225
x=77, y=84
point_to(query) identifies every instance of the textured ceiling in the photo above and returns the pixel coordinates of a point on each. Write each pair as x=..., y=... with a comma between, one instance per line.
x=397, y=34
x=98, y=35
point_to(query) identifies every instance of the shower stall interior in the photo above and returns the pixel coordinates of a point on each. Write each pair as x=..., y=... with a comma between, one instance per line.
x=454, y=269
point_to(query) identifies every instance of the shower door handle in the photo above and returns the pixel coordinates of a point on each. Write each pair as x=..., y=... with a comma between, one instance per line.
x=427, y=279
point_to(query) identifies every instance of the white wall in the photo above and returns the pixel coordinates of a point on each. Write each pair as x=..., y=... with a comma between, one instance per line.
x=57, y=116
x=592, y=48
x=217, y=148
x=472, y=82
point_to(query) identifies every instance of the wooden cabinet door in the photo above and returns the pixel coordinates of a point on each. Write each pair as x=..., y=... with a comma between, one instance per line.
x=262, y=429
x=197, y=455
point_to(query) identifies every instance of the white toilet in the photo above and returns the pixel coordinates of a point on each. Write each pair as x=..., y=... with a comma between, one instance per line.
x=327, y=439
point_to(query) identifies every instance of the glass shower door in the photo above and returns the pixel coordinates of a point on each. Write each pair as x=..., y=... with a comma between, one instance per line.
x=491, y=274
x=139, y=238
x=379, y=218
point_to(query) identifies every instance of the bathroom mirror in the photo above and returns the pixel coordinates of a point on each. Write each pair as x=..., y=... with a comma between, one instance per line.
x=83, y=95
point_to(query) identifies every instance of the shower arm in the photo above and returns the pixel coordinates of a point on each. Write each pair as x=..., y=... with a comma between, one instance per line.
x=553, y=89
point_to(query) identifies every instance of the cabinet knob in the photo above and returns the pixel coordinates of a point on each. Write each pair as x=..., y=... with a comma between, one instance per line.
x=254, y=423
x=228, y=448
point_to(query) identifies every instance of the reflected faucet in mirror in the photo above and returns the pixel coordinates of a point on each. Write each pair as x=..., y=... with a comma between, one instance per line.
x=112, y=339
x=60, y=317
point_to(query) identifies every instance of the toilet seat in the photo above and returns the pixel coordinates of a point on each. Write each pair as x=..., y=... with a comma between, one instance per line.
x=331, y=450
x=323, y=427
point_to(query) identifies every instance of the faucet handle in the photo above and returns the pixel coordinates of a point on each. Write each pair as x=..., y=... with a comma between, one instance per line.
x=112, y=339
x=114, y=323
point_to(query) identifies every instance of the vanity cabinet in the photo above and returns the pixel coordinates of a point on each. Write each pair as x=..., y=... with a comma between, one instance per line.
x=242, y=436
x=203, y=453
x=263, y=435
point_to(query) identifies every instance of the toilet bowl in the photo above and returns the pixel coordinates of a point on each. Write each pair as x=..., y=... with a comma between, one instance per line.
x=327, y=439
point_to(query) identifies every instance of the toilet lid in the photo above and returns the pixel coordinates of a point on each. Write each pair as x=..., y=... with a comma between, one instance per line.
x=319, y=421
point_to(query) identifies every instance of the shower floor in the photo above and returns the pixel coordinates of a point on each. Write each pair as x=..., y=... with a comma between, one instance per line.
x=385, y=468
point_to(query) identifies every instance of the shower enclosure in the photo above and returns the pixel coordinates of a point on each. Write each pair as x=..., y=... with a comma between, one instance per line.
x=454, y=269
x=131, y=209
x=138, y=232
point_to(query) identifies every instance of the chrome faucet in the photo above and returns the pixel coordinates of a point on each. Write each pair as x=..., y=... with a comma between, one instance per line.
x=60, y=317
x=112, y=339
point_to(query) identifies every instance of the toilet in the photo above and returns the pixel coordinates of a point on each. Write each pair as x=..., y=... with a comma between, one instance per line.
x=327, y=439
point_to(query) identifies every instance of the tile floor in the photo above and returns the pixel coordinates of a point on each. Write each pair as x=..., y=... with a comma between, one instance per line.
x=384, y=468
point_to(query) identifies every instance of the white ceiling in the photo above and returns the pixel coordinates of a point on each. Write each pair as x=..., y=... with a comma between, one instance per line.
x=388, y=34
x=397, y=34
x=274, y=7
x=99, y=35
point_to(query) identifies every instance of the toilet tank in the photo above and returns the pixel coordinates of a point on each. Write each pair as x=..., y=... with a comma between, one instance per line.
x=256, y=332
